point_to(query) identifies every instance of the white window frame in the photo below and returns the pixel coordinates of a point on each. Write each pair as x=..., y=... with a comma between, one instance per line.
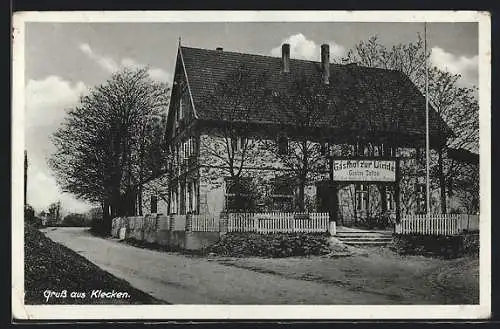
x=389, y=199
x=362, y=194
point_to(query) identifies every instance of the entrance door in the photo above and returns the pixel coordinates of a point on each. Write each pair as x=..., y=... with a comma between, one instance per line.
x=327, y=199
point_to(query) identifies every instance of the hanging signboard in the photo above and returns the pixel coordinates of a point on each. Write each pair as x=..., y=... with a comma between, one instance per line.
x=364, y=170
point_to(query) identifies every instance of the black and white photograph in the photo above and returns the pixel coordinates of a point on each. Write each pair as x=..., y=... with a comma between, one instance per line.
x=202, y=165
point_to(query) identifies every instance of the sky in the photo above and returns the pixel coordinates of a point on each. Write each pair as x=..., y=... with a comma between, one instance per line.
x=63, y=60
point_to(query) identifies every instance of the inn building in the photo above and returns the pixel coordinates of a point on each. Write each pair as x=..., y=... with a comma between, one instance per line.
x=239, y=125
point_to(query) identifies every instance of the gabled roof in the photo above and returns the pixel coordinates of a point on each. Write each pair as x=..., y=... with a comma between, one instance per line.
x=359, y=98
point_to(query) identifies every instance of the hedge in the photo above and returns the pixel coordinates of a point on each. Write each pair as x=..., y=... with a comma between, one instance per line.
x=436, y=245
x=237, y=244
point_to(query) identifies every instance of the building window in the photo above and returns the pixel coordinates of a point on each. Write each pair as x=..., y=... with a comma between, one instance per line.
x=387, y=150
x=185, y=149
x=283, y=194
x=238, y=144
x=421, y=199
x=325, y=149
x=421, y=155
x=234, y=144
x=362, y=149
x=389, y=198
x=182, y=200
x=239, y=195
x=361, y=197
x=154, y=204
x=282, y=144
x=191, y=194
x=194, y=197
x=181, y=105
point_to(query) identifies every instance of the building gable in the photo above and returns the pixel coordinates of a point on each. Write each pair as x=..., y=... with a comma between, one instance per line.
x=181, y=109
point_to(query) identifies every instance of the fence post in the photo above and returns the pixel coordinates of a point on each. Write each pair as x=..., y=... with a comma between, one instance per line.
x=188, y=224
x=171, y=223
x=333, y=228
x=223, y=223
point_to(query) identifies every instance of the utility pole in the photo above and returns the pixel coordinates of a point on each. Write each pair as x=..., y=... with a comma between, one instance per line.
x=427, y=172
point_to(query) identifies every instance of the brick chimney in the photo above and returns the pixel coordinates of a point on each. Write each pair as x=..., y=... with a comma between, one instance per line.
x=285, y=57
x=325, y=63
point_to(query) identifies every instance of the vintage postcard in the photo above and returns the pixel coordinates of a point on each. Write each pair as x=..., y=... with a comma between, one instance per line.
x=251, y=165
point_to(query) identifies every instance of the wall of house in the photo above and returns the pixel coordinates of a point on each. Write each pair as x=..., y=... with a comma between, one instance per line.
x=260, y=163
x=263, y=166
x=158, y=188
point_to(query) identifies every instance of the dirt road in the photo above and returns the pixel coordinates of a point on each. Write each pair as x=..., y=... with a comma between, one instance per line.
x=180, y=279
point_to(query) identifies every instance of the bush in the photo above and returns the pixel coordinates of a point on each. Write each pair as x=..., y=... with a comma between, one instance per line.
x=434, y=245
x=238, y=244
x=76, y=220
x=30, y=218
x=471, y=242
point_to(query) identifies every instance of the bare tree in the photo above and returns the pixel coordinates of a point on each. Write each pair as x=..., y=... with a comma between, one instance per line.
x=303, y=106
x=235, y=143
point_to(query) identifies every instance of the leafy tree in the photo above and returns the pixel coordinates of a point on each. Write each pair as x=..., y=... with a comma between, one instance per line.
x=29, y=215
x=304, y=104
x=108, y=145
x=456, y=104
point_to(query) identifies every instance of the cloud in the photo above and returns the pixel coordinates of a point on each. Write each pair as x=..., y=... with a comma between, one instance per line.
x=466, y=66
x=110, y=65
x=42, y=190
x=47, y=99
x=107, y=63
x=159, y=74
x=302, y=48
x=155, y=73
x=46, y=104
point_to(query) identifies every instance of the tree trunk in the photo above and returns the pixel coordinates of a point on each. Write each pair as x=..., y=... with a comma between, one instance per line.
x=442, y=181
x=105, y=227
x=140, y=200
x=302, y=187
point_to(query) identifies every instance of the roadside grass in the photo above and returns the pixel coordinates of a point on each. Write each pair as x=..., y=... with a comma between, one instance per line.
x=403, y=279
x=52, y=266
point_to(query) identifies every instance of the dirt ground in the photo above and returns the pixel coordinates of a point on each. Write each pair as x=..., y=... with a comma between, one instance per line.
x=370, y=278
x=401, y=279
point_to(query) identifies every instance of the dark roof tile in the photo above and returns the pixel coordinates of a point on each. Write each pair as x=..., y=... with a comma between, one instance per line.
x=377, y=99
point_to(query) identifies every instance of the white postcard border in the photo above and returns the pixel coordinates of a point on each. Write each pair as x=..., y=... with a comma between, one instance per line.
x=191, y=312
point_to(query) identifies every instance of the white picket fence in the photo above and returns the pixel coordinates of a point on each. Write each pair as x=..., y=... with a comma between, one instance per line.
x=140, y=227
x=278, y=222
x=445, y=224
x=205, y=223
